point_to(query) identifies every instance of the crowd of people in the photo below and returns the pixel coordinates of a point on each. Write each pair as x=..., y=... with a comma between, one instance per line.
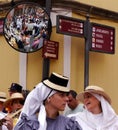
x=11, y=107
x=26, y=30
x=45, y=107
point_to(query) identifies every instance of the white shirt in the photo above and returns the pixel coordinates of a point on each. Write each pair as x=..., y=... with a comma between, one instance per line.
x=69, y=111
x=2, y=115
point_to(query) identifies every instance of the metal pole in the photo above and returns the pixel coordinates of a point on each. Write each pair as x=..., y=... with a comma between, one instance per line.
x=46, y=61
x=87, y=29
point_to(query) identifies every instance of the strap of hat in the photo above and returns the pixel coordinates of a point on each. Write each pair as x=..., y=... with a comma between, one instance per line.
x=48, y=94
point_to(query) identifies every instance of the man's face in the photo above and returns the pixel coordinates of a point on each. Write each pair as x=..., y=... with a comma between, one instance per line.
x=72, y=103
x=59, y=101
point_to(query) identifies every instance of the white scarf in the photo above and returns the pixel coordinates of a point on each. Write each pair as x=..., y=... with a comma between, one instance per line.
x=34, y=103
x=107, y=118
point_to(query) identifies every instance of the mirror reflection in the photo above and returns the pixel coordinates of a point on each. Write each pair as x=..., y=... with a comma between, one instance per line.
x=26, y=26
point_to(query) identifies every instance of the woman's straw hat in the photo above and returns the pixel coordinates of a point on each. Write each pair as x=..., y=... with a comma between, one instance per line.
x=3, y=97
x=94, y=89
x=57, y=82
x=13, y=96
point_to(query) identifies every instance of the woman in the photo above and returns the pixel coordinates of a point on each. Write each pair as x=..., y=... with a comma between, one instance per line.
x=98, y=113
x=14, y=103
x=42, y=106
x=6, y=123
x=13, y=106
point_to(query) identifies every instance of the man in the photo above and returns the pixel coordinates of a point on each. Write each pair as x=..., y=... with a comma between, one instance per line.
x=73, y=105
x=46, y=100
x=15, y=88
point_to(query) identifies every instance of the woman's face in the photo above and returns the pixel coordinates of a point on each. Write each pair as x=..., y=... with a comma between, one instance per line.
x=16, y=105
x=92, y=104
x=58, y=101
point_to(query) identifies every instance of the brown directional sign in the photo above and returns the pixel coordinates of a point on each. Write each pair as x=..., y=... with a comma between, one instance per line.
x=103, y=38
x=50, y=49
x=70, y=26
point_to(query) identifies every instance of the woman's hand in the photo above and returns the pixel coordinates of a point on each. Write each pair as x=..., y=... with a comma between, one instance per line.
x=8, y=123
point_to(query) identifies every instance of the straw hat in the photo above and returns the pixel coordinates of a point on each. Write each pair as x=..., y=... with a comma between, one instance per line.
x=57, y=82
x=13, y=96
x=96, y=90
x=3, y=97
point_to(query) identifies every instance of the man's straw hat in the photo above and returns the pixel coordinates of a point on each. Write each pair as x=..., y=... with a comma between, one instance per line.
x=57, y=82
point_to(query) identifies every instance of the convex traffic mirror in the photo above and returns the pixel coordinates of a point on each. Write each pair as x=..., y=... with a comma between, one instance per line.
x=26, y=26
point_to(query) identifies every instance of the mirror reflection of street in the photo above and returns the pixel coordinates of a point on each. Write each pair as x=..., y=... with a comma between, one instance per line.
x=26, y=27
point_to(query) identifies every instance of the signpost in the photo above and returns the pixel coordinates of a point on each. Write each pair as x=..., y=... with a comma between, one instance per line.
x=98, y=37
x=46, y=61
x=50, y=49
x=103, y=38
x=70, y=26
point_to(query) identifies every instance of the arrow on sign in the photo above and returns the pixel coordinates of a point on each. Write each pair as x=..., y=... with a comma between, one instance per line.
x=46, y=54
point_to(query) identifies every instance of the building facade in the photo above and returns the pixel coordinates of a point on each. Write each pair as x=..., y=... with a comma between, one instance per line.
x=27, y=68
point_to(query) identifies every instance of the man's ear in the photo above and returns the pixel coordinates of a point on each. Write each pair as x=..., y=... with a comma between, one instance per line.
x=48, y=99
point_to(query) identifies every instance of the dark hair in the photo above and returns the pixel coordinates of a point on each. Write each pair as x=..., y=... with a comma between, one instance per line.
x=73, y=93
x=25, y=94
x=15, y=87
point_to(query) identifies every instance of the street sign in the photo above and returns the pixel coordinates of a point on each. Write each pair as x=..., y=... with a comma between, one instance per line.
x=70, y=26
x=103, y=38
x=50, y=49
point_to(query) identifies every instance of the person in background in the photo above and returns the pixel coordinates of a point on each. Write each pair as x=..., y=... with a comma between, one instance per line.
x=15, y=87
x=42, y=106
x=74, y=105
x=6, y=123
x=3, y=98
x=14, y=106
x=98, y=113
x=24, y=93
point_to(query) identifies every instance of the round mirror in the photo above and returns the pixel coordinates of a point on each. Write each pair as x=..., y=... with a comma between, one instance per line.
x=26, y=26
